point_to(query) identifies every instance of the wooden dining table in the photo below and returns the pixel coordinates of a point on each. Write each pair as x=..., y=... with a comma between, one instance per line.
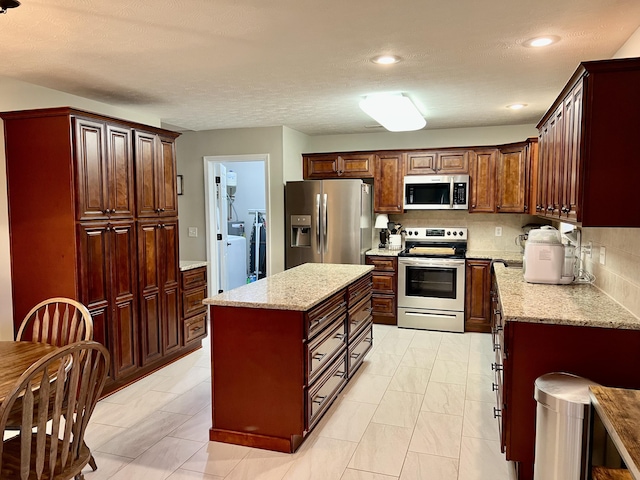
x=15, y=359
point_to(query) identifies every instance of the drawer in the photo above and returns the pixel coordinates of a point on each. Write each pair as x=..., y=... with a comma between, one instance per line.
x=384, y=283
x=384, y=304
x=192, y=301
x=383, y=264
x=359, y=315
x=359, y=348
x=196, y=277
x=325, y=313
x=358, y=290
x=324, y=391
x=195, y=328
x=324, y=348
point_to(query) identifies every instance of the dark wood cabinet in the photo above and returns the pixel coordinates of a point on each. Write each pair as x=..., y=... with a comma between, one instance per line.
x=194, y=312
x=76, y=230
x=442, y=162
x=512, y=186
x=587, y=137
x=482, y=191
x=388, y=186
x=385, y=289
x=477, y=296
x=338, y=165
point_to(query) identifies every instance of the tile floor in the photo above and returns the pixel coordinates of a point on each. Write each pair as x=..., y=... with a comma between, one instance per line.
x=420, y=407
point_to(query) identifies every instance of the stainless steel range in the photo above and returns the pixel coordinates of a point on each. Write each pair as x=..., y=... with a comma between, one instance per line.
x=431, y=279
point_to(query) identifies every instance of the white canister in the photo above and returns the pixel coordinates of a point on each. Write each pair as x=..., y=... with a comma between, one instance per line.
x=395, y=242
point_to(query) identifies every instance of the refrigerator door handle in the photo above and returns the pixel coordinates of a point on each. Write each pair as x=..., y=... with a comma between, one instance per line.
x=318, y=223
x=325, y=225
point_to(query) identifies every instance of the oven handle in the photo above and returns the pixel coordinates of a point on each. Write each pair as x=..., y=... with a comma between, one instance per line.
x=440, y=262
x=430, y=314
x=451, y=193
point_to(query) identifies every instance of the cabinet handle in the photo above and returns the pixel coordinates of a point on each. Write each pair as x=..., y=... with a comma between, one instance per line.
x=197, y=329
x=162, y=209
x=538, y=208
x=319, y=399
x=113, y=210
x=368, y=340
x=105, y=211
x=339, y=336
x=498, y=207
x=550, y=208
x=496, y=367
x=494, y=387
x=355, y=355
x=497, y=413
x=496, y=347
x=473, y=206
x=340, y=374
x=319, y=356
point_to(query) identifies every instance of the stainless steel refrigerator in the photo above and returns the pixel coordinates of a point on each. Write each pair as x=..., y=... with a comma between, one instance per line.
x=327, y=221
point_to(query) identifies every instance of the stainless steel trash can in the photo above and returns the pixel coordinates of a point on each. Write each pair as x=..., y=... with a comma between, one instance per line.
x=562, y=427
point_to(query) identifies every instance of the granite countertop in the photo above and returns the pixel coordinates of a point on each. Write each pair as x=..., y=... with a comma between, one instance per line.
x=190, y=264
x=299, y=288
x=509, y=257
x=575, y=304
x=384, y=252
x=619, y=410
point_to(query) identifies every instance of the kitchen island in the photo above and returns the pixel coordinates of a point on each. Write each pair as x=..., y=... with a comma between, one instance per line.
x=539, y=329
x=282, y=348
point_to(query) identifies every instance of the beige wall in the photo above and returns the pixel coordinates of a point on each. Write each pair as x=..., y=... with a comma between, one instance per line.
x=24, y=96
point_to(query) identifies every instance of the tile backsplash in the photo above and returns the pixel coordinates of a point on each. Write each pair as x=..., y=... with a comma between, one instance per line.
x=619, y=277
x=481, y=226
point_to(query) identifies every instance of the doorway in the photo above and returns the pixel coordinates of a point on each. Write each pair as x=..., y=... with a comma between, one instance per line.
x=236, y=191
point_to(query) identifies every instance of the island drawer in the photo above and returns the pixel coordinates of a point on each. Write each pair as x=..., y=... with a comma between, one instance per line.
x=325, y=313
x=324, y=348
x=359, y=348
x=359, y=315
x=324, y=391
x=195, y=328
x=195, y=277
x=359, y=289
x=192, y=301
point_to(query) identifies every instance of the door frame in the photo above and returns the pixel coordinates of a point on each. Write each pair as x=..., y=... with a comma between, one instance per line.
x=211, y=202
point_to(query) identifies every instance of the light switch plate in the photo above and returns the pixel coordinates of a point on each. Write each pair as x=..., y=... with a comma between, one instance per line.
x=193, y=231
x=603, y=254
x=498, y=231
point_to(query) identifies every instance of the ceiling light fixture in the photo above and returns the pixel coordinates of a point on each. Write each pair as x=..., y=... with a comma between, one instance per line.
x=541, y=41
x=4, y=4
x=386, y=59
x=516, y=106
x=395, y=112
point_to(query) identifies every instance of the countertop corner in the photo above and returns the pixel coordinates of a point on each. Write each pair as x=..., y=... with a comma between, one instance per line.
x=191, y=264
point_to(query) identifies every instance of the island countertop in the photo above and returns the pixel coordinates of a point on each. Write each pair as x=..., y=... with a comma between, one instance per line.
x=576, y=304
x=299, y=288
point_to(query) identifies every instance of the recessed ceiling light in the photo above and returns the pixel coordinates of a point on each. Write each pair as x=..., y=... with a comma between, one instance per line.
x=541, y=41
x=386, y=59
x=516, y=106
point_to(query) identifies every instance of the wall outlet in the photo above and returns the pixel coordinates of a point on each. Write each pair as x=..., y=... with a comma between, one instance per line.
x=498, y=231
x=193, y=231
x=588, y=250
x=603, y=254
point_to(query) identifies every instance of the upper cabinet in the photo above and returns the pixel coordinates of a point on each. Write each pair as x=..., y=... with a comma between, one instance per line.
x=511, y=174
x=156, y=175
x=588, y=143
x=482, y=191
x=388, y=184
x=338, y=165
x=442, y=162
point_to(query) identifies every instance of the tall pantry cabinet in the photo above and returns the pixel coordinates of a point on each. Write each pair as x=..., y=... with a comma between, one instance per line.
x=93, y=216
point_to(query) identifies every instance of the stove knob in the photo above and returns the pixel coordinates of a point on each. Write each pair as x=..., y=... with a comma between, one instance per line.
x=410, y=232
x=461, y=233
x=455, y=233
x=448, y=232
x=415, y=232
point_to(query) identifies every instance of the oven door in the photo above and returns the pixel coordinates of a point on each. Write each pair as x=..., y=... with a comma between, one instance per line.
x=431, y=283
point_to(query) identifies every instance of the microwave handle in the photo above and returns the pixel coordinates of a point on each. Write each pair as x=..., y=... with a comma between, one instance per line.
x=451, y=192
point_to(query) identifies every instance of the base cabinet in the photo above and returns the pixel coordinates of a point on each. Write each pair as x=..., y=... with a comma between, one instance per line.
x=385, y=289
x=276, y=372
x=477, y=310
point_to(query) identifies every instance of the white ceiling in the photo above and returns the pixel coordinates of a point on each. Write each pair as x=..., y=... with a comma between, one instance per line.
x=210, y=64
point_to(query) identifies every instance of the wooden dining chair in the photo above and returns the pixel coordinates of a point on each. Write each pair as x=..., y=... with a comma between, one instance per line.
x=73, y=376
x=57, y=321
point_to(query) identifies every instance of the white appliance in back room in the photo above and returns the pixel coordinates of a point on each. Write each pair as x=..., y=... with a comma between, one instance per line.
x=236, y=261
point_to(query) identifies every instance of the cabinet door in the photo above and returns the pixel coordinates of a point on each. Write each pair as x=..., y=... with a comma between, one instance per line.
x=478, y=297
x=421, y=163
x=555, y=184
x=150, y=282
x=146, y=174
x=168, y=256
x=92, y=197
x=167, y=194
x=453, y=163
x=356, y=165
x=483, y=175
x=388, y=183
x=124, y=295
x=512, y=180
x=543, y=170
x=119, y=167
x=573, y=137
x=321, y=166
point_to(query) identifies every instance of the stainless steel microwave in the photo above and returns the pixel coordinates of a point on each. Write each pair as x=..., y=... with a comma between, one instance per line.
x=436, y=192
